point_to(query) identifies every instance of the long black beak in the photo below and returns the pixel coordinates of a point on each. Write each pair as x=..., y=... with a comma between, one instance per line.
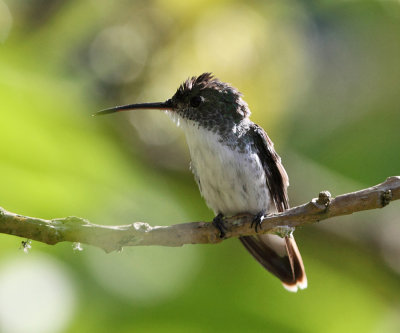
x=160, y=106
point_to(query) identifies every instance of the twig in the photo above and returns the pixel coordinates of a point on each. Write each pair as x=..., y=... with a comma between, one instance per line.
x=110, y=238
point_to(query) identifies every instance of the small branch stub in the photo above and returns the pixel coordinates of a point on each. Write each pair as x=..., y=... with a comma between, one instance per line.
x=113, y=238
x=386, y=197
x=324, y=198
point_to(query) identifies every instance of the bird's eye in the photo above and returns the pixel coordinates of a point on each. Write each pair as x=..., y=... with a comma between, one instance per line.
x=196, y=101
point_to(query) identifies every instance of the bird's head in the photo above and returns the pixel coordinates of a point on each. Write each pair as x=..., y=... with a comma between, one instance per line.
x=202, y=100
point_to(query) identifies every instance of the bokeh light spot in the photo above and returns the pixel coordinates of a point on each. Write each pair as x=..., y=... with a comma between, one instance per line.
x=118, y=54
x=36, y=295
x=145, y=275
x=230, y=39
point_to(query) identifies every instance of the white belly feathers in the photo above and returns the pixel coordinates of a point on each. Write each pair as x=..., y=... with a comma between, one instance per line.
x=230, y=181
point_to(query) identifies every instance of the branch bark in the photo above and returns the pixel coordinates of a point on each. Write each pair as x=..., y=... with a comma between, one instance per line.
x=110, y=238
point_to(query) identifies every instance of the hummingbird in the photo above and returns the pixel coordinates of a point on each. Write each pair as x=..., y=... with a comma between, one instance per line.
x=235, y=167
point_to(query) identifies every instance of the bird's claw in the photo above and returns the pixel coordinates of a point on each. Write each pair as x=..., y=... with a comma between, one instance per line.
x=257, y=220
x=219, y=224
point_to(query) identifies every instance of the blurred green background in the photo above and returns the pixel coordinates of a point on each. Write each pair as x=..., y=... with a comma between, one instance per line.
x=322, y=77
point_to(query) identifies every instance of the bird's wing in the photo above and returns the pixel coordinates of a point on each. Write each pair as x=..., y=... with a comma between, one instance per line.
x=277, y=178
x=280, y=256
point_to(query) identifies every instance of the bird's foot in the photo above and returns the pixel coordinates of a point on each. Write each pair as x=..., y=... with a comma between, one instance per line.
x=257, y=220
x=218, y=222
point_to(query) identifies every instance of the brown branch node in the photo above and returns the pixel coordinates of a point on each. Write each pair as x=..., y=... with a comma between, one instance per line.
x=324, y=198
x=386, y=197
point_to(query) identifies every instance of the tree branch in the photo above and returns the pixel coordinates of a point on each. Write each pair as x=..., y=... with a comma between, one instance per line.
x=110, y=238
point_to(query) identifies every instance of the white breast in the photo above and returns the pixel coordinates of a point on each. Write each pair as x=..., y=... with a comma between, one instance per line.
x=230, y=181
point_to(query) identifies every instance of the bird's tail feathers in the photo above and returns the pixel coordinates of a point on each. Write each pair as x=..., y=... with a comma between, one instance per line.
x=280, y=256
